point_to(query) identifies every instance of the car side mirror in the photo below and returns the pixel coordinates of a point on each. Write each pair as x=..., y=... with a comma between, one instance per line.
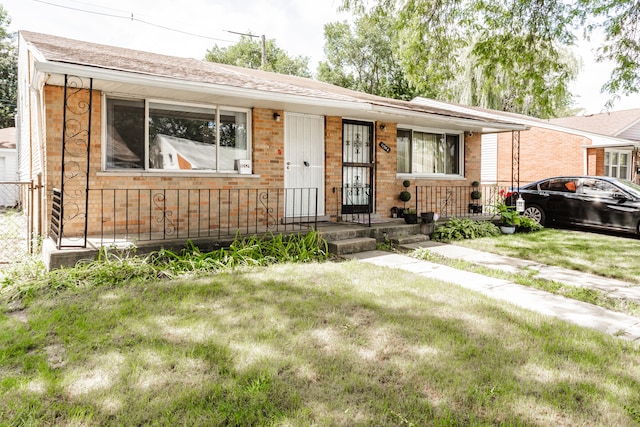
x=619, y=196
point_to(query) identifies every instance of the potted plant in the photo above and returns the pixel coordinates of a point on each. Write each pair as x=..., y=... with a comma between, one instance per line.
x=404, y=196
x=509, y=218
x=410, y=216
x=475, y=196
x=427, y=217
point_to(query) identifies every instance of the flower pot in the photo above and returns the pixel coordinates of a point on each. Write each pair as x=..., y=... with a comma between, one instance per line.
x=507, y=229
x=411, y=218
x=427, y=217
x=473, y=208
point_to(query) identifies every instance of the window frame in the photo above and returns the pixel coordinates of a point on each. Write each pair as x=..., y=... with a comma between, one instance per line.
x=608, y=153
x=436, y=131
x=168, y=102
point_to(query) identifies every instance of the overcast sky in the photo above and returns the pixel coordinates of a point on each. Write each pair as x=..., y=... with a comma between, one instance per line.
x=190, y=27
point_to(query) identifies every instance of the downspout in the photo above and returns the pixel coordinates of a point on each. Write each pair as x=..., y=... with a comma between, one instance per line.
x=38, y=82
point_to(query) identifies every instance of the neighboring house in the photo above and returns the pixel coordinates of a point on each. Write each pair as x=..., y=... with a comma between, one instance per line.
x=9, y=194
x=606, y=157
x=602, y=144
x=138, y=144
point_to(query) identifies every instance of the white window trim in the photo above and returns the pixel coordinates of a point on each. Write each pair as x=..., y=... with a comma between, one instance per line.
x=149, y=171
x=607, y=167
x=460, y=134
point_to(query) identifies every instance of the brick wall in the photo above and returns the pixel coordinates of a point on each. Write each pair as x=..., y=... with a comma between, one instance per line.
x=118, y=201
x=386, y=185
x=595, y=161
x=543, y=153
x=333, y=164
x=120, y=198
x=430, y=197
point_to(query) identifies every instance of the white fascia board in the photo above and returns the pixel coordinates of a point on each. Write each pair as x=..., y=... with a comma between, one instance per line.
x=453, y=120
x=600, y=142
x=172, y=83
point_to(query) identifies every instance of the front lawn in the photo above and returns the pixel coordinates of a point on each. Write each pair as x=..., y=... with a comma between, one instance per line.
x=601, y=254
x=304, y=344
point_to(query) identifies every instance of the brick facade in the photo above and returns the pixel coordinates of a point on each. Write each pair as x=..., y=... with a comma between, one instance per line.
x=595, y=161
x=121, y=200
x=543, y=153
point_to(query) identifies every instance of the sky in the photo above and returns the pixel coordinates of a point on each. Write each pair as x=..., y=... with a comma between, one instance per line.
x=190, y=27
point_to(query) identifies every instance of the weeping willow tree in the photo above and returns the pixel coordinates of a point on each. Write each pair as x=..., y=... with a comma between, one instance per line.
x=511, y=55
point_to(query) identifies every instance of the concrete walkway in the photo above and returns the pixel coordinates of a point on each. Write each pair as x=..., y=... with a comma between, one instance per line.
x=577, y=312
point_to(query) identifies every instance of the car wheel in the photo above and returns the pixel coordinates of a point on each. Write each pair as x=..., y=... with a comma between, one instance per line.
x=535, y=213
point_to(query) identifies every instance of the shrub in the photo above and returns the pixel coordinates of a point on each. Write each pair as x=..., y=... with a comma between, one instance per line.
x=405, y=196
x=460, y=229
x=528, y=225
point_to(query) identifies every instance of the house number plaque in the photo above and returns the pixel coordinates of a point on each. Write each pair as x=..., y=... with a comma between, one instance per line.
x=385, y=147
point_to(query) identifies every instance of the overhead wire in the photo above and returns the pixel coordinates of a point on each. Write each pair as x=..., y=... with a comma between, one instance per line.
x=131, y=17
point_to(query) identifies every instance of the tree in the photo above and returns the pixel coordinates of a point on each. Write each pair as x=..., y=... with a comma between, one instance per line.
x=248, y=53
x=620, y=22
x=508, y=55
x=8, y=72
x=363, y=58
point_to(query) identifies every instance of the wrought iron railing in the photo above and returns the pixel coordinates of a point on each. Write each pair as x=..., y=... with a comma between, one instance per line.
x=458, y=201
x=137, y=215
x=353, y=204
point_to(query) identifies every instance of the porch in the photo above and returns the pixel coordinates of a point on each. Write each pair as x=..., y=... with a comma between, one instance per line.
x=337, y=234
x=149, y=220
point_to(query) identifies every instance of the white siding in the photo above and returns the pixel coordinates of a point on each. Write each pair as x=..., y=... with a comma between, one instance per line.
x=9, y=194
x=489, y=159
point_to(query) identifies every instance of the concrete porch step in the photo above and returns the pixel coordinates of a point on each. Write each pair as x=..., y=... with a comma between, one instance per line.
x=352, y=246
x=405, y=240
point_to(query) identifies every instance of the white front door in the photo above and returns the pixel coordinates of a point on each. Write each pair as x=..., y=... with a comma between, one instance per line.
x=304, y=164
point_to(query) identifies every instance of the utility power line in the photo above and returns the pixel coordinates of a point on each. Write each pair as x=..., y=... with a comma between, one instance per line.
x=131, y=17
x=263, y=60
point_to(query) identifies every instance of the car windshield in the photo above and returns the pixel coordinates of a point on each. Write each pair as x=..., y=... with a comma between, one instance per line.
x=630, y=187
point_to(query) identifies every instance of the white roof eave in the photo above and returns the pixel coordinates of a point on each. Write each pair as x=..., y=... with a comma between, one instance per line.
x=48, y=67
x=487, y=126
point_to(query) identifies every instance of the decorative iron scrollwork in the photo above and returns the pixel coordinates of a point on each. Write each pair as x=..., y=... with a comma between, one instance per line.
x=164, y=216
x=270, y=220
x=444, y=207
x=75, y=151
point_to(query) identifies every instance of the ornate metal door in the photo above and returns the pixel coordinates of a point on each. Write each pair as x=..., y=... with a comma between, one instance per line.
x=357, y=167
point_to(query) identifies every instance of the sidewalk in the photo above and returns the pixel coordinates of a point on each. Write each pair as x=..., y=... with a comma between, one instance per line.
x=576, y=312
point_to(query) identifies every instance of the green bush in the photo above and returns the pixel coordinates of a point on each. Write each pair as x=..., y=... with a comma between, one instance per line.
x=405, y=196
x=113, y=267
x=528, y=225
x=460, y=229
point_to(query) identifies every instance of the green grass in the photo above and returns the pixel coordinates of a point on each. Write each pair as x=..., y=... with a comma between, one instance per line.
x=304, y=344
x=601, y=254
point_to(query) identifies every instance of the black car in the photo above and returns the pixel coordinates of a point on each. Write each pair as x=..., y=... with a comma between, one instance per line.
x=591, y=201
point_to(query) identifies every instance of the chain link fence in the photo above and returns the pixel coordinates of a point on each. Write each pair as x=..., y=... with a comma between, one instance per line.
x=15, y=227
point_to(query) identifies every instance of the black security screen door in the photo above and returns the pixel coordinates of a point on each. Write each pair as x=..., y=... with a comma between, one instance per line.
x=357, y=167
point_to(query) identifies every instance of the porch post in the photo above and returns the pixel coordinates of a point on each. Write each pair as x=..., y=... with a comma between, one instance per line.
x=515, y=159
